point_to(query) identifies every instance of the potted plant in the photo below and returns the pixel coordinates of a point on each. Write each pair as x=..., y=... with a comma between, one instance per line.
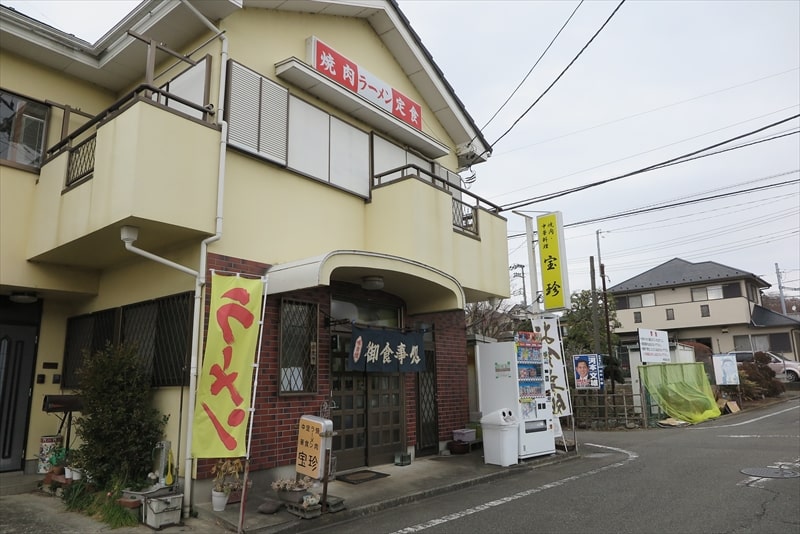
x=76, y=463
x=226, y=479
x=292, y=490
x=57, y=460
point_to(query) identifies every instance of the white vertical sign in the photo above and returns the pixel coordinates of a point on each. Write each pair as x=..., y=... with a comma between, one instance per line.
x=547, y=327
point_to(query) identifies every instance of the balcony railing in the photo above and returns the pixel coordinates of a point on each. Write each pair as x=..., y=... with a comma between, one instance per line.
x=465, y=217
x=81, y=161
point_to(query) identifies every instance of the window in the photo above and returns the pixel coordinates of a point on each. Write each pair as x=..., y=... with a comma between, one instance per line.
x=637, y=317
x=641, y=301
x=707, y=293
x=780, y=342
x=714, y=292
x=22, y=130
x=704, y=311
x=670, y=314
x=298, y=360
x=161, y=330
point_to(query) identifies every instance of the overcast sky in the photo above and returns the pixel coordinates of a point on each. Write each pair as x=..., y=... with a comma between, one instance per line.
x=661, y=80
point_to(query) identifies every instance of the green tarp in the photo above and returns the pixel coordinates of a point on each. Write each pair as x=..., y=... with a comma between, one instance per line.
x=681, y=389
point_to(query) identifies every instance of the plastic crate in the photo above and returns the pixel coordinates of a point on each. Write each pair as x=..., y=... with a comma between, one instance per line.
x=163, y=511
x=464, y=434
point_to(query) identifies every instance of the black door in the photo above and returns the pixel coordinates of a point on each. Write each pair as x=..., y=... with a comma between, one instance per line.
x=17, y=362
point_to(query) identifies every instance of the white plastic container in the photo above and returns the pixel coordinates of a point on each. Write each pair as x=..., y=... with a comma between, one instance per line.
x=163, y=511
x=500, y=438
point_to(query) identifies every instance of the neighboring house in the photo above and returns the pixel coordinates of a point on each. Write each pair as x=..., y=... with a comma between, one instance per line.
x=705, y=302
x=208, y=136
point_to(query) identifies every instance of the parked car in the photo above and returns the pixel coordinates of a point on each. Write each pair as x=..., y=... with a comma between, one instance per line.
x=777, y=363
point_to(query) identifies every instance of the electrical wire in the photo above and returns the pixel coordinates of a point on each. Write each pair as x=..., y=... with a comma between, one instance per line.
x=533, y=67
x=662, y=206
x=523, y=203
x=554, y=81
x=496, y=155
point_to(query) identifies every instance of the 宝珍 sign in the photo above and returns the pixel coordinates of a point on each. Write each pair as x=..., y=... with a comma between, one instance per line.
x=553, y=261
x=313, y=442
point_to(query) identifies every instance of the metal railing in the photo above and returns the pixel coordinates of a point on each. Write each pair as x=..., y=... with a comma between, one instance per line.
x=81, y=161
x=465, y=214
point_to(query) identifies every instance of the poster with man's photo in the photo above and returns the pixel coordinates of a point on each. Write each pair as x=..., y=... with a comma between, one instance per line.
x=726, y=372
x=588, y=372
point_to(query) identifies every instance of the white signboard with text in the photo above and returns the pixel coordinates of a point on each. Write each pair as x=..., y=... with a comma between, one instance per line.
x=654, y=346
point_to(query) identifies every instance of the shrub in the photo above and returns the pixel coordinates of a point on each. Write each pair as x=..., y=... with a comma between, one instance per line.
x=118, y=425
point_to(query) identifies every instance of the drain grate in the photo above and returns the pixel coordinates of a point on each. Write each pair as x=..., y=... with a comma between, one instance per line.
x=770, y=472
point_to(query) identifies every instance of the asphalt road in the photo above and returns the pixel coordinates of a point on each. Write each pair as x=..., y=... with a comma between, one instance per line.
x=677, y=480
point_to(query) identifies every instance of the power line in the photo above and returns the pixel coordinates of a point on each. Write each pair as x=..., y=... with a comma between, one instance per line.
x=533, y=67
x=554, y=81
x=661, y=207
x=655, y=166
x=539, y=184
x=653, y=110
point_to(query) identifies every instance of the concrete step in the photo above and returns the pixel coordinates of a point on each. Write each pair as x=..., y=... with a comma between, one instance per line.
x=17, y=482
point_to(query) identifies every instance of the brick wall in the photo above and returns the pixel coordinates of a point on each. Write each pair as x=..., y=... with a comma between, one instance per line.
x=275, y=421
x=449, y=334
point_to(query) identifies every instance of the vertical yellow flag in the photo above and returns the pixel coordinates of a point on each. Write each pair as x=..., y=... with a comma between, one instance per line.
x=553, y=261
x=225, y=384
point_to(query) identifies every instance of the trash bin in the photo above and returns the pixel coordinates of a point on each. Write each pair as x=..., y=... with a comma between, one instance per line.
x=500, y=438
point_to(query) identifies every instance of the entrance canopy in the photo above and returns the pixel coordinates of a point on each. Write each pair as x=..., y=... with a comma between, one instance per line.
x=423, y=288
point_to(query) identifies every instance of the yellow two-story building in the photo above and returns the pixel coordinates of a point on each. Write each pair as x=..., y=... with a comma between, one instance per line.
x=314, y=144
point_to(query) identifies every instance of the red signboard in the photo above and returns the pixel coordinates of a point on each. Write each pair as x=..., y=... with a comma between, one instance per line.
x=359, y=80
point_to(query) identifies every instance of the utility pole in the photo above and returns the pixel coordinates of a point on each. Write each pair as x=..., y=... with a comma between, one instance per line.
x=608, y=323
x=780, y=290
x=595, y=324
x=522, y=275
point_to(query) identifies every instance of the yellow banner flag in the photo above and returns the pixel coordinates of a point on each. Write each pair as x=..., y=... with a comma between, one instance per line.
x=553, y=261
x=226, y=381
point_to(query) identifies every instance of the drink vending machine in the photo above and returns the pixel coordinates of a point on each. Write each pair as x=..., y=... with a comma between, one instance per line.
x=516, y=375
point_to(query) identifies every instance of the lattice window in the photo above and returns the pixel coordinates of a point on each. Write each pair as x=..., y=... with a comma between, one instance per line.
x=160, y=329
x=298, y=360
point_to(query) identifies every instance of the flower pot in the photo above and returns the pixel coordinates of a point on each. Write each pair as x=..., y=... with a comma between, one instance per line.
x=68, y=472
x=219, y=499
x=77, y=473
x=292, y=496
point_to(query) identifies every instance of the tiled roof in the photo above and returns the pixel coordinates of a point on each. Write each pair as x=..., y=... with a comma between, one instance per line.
x=764, y=317
x=677, y=272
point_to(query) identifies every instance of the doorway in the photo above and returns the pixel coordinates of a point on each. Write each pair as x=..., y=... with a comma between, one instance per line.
x=17, y=364
x=367, y=415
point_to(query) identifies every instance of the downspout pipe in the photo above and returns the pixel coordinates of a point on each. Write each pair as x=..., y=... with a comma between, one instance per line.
x=188, y=500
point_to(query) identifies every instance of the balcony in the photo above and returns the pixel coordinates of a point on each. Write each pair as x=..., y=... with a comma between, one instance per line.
x=439, y=224
x=138, y=163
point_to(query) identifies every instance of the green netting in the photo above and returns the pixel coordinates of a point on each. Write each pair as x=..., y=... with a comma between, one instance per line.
x=681, y=389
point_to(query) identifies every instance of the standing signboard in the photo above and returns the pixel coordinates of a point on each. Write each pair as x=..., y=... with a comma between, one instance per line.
x=653, y=346
x=313, y=444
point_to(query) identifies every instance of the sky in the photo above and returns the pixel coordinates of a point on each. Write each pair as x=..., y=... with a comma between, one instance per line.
x=661, y=80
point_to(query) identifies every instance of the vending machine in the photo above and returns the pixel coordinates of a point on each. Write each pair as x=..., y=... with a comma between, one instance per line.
x=515, y=375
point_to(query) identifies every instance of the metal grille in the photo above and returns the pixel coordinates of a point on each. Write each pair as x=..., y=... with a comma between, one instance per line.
x=298, y=347
x=81, y=161
x=85, y=334
x=160, y=330
x=428, y=428
x=464, y=217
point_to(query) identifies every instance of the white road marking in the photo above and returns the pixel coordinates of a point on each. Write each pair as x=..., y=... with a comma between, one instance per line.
x=485, y=506
x=744, y=422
